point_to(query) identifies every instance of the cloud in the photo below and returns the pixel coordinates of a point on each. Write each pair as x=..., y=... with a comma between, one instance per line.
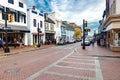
x=42, y=5
x=73, y=10
x=76, y=10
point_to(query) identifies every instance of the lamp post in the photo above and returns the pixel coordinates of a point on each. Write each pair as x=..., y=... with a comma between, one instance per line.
x=6, y=50
x=83, y=47
x=38, y=29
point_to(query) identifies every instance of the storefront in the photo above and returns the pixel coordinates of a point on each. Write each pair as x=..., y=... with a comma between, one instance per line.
x=113, y=37
x=112, y=25
x=35, y=37
x=50, y=37
x=14, y=34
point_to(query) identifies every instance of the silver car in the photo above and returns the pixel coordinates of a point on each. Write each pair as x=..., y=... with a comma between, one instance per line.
x=87, y=42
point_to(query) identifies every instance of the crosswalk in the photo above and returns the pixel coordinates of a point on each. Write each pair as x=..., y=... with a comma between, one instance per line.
x=71, y=67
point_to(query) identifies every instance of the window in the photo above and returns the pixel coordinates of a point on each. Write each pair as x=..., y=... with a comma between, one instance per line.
x=41, y=24
x=46, y=26
x=20, y=4
x=34, y=12
x=0, y=15
x=22, y=19
x=40, y=14
x=11, y=1
x=34, y=22
x=117, y=39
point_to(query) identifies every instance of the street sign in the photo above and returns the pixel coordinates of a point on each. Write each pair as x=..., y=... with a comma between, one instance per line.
x=87, y=30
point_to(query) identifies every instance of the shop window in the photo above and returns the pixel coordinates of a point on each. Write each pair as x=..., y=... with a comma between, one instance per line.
x=11, y=1
x=0, y=15
x=117, y=39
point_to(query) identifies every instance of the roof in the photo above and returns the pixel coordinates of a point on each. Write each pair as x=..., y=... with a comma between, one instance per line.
x=68, y=26
x=49, y=20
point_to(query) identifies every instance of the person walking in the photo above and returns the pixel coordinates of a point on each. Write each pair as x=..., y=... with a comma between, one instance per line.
x=93, y=41
x=21, y=43
x=1, y=43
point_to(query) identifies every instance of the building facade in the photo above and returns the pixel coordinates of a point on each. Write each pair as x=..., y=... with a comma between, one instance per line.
x=18, y=26
x=69, y=37
x=49, y=30
x=112, y=24
x=35, y=21
x=101, y=37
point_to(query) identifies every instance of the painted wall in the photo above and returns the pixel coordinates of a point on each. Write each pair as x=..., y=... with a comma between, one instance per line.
x=31, y=16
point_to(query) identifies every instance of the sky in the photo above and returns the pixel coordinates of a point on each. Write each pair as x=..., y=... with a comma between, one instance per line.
x=73, y=10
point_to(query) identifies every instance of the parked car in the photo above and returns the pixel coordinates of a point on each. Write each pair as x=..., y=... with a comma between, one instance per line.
x=87, y=42
x=61, y=42
x=78, y=40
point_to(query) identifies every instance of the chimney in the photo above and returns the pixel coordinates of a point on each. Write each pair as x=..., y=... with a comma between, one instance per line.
x=33, y=7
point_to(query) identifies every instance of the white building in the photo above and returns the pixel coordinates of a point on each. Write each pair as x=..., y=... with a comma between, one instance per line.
x=18, y=28
x=69, y=32
x=35, y=19
x=58, y=23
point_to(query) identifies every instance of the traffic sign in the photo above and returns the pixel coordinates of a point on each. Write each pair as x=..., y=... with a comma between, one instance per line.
x=87, y=30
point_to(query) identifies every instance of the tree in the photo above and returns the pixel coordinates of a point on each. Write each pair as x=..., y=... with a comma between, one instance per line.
x=78, y=32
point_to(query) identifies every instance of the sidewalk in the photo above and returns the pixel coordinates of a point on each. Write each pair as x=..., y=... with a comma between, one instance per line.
x=98, y=51
x=24, y=49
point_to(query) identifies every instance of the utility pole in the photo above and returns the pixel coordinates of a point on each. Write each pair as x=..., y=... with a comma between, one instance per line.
x=38, y=36
x=85, y=31
x=6, y=50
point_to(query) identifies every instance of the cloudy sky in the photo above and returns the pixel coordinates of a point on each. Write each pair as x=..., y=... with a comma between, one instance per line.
x=73, y=10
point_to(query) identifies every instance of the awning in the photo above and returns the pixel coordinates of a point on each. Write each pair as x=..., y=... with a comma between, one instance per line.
x=12, y=28
x=35, y=33
x=9, y=10
x=113, y=26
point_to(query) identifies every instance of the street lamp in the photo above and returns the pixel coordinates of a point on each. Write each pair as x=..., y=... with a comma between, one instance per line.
x=6, y=50
x=83, y=47
x=38, y=29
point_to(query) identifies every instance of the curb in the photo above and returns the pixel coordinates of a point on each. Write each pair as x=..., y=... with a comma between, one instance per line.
x=105, y=56
x=18, y=52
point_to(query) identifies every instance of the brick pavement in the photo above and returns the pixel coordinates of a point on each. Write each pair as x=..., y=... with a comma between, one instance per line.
x=109, y=61
x=98, y=51
x=70, y=69
x=94, y=63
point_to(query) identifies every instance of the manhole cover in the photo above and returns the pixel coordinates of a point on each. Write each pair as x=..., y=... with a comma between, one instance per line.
x=12, y=70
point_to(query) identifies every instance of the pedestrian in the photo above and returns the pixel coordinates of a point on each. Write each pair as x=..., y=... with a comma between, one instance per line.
x=93, y=41
x=15, y=42
x=1, y=43
x=21, y=43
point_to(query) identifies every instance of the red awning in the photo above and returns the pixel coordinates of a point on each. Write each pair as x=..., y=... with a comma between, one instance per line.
x=35, y=33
